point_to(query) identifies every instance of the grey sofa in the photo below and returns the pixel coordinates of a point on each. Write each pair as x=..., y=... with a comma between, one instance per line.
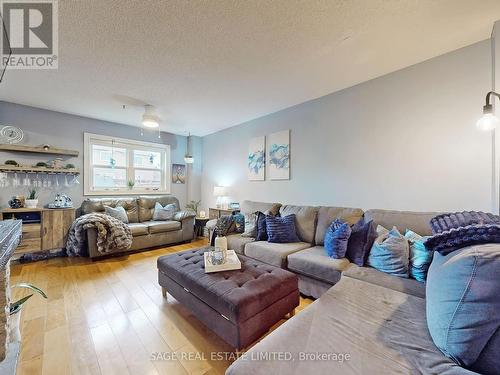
x=146, y=232
x=369, y=322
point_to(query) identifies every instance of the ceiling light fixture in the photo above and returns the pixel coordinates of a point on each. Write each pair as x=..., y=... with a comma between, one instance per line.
x=150, y=119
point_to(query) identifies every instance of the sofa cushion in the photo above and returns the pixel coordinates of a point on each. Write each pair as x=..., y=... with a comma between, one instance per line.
x=261, y=227
x=250, y=207
x=237, y=242
x=138, y=229
x=314, y=262
x=327, y=214
x=463, y=304
x=146, y=205
x=273, y=253
x=420, y=257
x=383, y=331
x=162, y=226
x=305, y=220
x=373, y=276
x=90, y=205
x=418, y=222
x=281, y=229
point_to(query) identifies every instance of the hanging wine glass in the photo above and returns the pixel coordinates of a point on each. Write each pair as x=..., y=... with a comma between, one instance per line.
x=75, y=181
x=66, y=184
x=15, y=180
x=26, y=180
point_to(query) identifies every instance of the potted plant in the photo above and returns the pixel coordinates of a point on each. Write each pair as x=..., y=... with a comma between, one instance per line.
x=130, y=184
x=32, y=199
x=193, y=206
x=15, y=310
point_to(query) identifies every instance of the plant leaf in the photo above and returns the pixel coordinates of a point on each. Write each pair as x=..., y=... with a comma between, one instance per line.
x=32, y=287
x=16, y=306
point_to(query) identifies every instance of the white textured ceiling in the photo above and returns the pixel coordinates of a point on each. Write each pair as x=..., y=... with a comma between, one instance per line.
x=209, y=65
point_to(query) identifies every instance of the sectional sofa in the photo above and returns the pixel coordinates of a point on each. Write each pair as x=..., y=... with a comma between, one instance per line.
x=145, y=231
x=363, y=321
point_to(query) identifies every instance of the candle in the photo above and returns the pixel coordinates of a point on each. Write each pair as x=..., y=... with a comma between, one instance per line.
x=202, y=213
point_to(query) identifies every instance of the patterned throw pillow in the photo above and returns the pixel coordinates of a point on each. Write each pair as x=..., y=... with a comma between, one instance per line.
x=239, y=223
x=281, y=229
x=117, y=212
x=336, y=239
x=390, y=253
x=164, y=213
x=360, y=242
x=250, y=225
x=420, y=257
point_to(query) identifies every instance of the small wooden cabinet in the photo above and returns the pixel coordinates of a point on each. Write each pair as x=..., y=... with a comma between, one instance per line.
x=43, y=228
x=215, y=213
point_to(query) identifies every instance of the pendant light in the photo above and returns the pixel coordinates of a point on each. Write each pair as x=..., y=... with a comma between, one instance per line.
x=188, y=158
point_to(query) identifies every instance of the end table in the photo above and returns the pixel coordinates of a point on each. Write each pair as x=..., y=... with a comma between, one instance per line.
x=199, y=226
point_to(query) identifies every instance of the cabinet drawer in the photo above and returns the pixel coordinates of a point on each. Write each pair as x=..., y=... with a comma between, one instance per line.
x=31, y=231
x=28, y=245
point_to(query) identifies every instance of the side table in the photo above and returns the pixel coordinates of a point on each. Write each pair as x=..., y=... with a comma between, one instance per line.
x=199, y=226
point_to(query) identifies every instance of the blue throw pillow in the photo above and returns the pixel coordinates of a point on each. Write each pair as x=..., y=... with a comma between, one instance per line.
x=360, y=242
x=260, y=225
x=420, y=257
x=281, y=229
x=239, y=223
x=390, y=253
x=336, y=239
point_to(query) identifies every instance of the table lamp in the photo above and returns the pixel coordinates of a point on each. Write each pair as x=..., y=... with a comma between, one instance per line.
x=220, y=192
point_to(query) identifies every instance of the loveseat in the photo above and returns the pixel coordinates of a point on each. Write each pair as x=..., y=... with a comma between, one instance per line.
x=145, y=231
x=368, y=323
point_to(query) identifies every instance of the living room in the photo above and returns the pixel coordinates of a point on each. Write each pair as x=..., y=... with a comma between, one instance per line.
x=236, y=187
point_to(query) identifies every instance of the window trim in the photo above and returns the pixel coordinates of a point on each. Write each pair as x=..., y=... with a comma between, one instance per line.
x=90, y=139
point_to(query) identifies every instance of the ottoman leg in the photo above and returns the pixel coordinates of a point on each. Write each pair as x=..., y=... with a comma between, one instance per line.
x=290, y=314
x=164, y=292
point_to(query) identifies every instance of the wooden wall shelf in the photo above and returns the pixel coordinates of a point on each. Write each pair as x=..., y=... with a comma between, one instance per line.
x=22, y=169
x=38, y=150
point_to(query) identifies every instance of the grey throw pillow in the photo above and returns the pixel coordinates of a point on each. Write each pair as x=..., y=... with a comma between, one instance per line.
x=117, y=212
x=250, y=225
x=164, y=213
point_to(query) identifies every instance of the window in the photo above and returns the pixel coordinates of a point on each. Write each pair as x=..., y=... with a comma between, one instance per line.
x=111, y=164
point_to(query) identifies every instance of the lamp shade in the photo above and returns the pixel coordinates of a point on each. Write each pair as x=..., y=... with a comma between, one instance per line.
x=488, y=122
x=220, y=191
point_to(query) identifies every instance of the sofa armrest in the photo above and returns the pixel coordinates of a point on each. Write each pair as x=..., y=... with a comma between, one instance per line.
x=183, y=215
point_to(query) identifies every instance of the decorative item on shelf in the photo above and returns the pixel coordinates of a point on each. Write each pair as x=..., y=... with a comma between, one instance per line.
x=42, y=164
x=12, y=162
x=11, y=135
x=234, y=205
x=178, y=173
x=61, y=201
x=57, y=163
x=69, y=166
x=220, y=192
x=31, y=199
x=193, y=206
x=15, y=202
x=130, y=184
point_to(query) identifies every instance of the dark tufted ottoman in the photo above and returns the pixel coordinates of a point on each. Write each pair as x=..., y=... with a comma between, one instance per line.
x=240, y=306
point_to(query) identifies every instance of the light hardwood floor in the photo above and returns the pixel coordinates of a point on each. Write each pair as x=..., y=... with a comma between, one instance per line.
x=109, y=317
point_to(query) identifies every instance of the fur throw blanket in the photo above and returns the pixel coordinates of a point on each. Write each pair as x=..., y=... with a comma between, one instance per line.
x=454, y=231
x=111, y=234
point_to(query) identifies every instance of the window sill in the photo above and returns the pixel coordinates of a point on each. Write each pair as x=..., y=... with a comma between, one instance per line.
x=128, y=192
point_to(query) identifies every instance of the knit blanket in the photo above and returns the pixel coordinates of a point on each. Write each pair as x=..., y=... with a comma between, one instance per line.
x=112, y=234
x=454, y=231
